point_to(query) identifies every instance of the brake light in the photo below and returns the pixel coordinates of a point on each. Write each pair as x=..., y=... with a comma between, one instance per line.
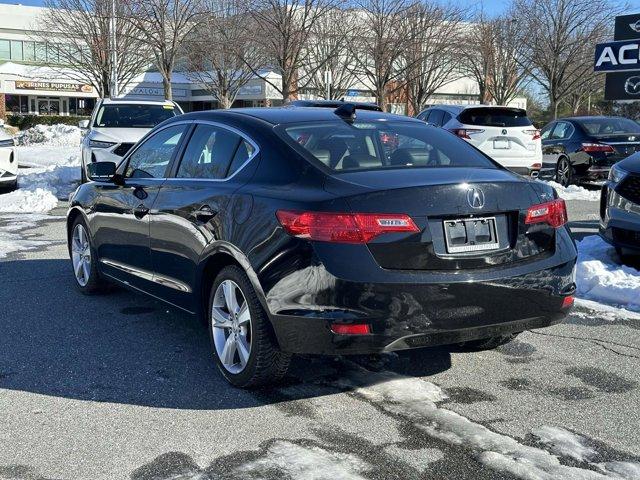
x=343, y=227
x=535, y=133
x=466, y=132
x=554, y=213
x=355, y=329
x=568, y=301
x=597, y=147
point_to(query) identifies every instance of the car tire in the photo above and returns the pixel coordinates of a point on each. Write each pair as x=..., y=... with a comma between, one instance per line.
x=264, y=363
x=487, y=343
x=84, y=260
x=564, y=172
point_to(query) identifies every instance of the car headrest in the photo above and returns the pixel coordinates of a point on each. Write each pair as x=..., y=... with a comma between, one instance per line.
x=414, y=156
x=360, y=160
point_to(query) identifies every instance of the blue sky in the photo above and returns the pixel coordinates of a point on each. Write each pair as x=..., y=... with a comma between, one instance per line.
x=492, y=7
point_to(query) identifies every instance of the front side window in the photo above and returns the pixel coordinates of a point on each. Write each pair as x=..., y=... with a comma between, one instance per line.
x=343, y=146
x=152, y=158
x=436, y=117
x=209, y=153
x=546, y=131
x=133, y=115
x=562, y=131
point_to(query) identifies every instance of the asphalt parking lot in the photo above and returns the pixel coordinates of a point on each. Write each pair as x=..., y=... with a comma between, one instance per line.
x=120, y=386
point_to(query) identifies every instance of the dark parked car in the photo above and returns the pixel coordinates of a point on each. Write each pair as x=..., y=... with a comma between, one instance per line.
x=581, y=150
x=333, y=104
x=620, y=206
x=284, y=243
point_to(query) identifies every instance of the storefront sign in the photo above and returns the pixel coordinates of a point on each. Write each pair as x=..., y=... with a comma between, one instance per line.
x=151, y=92
x=621, y=59
x=53, y=86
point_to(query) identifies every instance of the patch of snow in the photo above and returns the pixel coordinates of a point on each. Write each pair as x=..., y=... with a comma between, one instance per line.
x=626, y=470
x=606, y=312
x=600, y=278
x=37, y=200
x=51, y=135
x=497, y=451
x=44, y=155
x=563, y=442
x=574, y=192
x=307, y=463
x=11, y=237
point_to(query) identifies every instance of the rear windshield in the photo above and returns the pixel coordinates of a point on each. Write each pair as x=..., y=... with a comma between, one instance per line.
x=495, y=117
x=609, y=126
x=343, y=146
x=133, y=116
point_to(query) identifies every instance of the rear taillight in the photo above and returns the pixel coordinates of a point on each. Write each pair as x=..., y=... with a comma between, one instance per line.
x=466, y=132
x=568, y=301
x=343, y=227
x=553, y=213
x=597, y=147
x=353, y=329
x=535, y=133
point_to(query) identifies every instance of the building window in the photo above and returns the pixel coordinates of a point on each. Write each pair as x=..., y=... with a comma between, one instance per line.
x=16, y=50
x=41, y=52
x=29, y=51
x=53, y=55
x=5, y=50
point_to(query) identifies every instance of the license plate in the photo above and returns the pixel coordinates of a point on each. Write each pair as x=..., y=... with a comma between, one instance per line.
x=471, y=235
x=501, y=144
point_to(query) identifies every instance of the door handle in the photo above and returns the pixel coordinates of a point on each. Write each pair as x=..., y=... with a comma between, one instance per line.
x=140, y=211
x=140, y=193
x=205, y=213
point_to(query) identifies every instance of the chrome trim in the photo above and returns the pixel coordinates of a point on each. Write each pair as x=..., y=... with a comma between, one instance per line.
x=149, y=276
x=240, y=133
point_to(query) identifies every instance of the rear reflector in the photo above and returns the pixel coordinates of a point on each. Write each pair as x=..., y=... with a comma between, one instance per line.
x=554, y=213
x=466, y=132
x=597, y=147
x=568, y=301
x=343, y=227
x=357, y=329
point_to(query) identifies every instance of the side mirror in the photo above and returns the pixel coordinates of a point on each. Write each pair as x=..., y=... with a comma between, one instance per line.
x=102, y=171
x=83, y=124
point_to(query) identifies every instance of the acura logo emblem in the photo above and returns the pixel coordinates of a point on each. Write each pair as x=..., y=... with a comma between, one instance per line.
x=504, y=131
x=475, y=197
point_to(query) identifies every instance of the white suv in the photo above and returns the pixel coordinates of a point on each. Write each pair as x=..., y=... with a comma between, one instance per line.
x=503, y=133
x=8, y=162
x=117, y=124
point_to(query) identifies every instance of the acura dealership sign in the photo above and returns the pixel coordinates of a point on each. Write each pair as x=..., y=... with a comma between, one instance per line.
x=621, y=60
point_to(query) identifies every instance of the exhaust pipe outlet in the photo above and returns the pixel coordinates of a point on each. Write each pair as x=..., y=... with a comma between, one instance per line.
x=535, y=173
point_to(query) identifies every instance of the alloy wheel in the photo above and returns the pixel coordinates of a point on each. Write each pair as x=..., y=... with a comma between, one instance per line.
x=81, y=255
x=564, y=172
x=231, y=322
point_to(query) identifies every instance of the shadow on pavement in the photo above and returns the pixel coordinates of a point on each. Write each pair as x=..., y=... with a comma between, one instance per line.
x=127, y=348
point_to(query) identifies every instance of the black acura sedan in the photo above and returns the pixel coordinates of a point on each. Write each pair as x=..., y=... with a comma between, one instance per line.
x=319, y=231
x=581, y=150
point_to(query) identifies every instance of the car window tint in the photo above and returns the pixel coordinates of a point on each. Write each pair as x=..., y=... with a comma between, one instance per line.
x=495, y=117
x=436, y=118
x=445, y=118
x=546, y=131
x=151, y=159
x=609, y=126
x=342, y=146
x=243, y=153
x=562, y=131
x=209, y=153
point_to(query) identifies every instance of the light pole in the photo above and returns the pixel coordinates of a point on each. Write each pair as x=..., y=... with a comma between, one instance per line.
x=114, y=89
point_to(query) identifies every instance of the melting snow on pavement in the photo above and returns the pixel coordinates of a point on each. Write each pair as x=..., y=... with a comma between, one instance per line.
x=575, y=192
x=416, y=400
x=601, y=278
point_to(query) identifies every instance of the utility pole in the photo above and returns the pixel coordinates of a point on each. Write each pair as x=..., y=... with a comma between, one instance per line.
x=328, y=79
x=114, y=89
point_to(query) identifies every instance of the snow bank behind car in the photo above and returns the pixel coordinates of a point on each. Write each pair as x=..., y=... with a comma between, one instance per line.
x=52, y=135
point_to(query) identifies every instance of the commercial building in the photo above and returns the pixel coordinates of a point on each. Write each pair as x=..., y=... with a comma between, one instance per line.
x=29, y=85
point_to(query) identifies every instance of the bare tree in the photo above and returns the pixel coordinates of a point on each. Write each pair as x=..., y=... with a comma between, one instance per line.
x=282, y=30
x=163, y=25
x=558, y=38
x=380, y=45
x=476, y=60
x=329, y=55
x=432, y=56
x=220, y=49
x=80, y=31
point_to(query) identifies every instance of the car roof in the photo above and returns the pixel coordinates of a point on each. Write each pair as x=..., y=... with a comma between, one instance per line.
x=333, y=104
x=133, y=101
x=281, y=115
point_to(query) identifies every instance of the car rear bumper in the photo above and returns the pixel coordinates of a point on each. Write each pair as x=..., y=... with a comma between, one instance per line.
x=619, y=220
x=411, y=315
x=595, y=176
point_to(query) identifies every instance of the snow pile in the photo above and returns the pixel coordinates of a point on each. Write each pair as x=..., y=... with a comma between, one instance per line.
x=307, y=463
x=564, y=443
x=497, y=451
x=602, y=279
x=37, y=200
x=575, y=192
x=51, y=135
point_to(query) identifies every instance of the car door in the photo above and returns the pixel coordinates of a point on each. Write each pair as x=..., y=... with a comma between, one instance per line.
x=120, y=221
x=557, y=143
x=191, y=209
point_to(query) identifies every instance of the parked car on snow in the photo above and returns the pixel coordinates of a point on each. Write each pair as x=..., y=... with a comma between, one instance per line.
x=581, y=150
x=117, y=124
x=505, y=134
x=620, y=206
x=8, y=161
x=242, y=217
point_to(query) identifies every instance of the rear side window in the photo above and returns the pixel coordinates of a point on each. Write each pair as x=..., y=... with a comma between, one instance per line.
x=436, y=118
x=209, y=153
x=343, y=146
x=495, y=117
